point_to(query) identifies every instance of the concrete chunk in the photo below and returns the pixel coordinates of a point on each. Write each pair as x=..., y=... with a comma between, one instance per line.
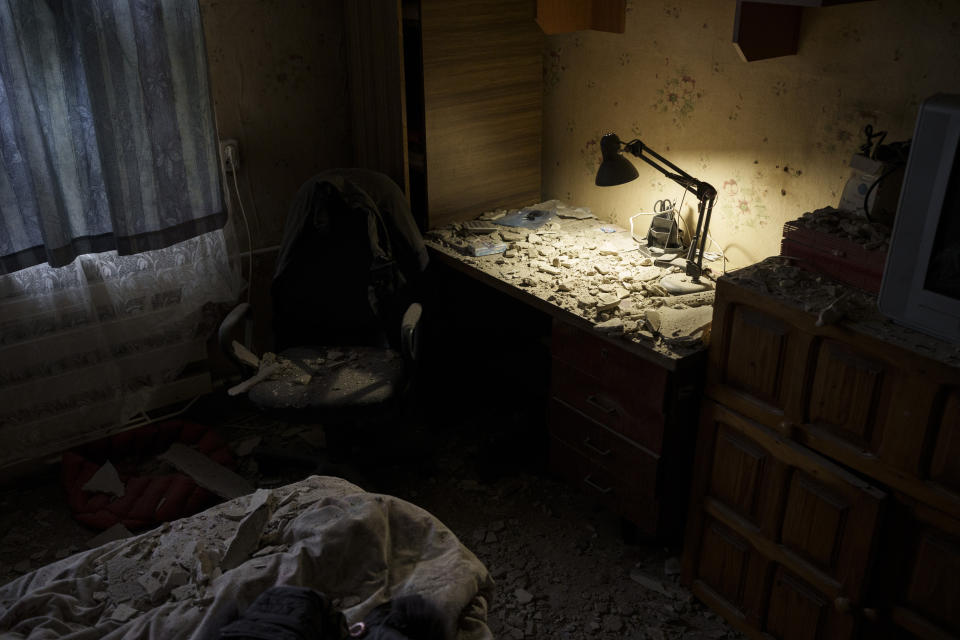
x=206, y=473
x=106, y=480
x=116, y=532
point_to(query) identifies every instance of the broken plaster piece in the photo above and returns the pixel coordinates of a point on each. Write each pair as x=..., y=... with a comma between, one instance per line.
x=246, y=539
x=116, y=532
x=612, y=326
x=106, y=480
x=123, y=613
x=205, y=472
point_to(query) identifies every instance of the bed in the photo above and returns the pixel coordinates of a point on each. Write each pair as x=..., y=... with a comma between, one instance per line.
x=188, y=578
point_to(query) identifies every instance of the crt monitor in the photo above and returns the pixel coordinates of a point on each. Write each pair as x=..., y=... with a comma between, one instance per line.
x=921, y=279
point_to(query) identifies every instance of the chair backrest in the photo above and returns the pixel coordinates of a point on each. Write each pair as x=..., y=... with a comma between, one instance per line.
x=348, y=262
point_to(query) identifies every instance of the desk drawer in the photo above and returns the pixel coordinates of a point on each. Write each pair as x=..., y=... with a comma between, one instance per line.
x=620, y=371
x=626, y=407
x=604, y=449
x=621, y=497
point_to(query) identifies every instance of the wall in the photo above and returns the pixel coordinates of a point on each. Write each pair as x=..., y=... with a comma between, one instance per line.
x=773, y=136
x=279, y=87
x=277, y=70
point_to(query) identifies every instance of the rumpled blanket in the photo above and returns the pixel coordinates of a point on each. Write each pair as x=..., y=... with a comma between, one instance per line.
x=188, y=578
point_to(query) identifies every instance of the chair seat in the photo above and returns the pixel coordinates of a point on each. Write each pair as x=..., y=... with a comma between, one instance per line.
x=338, y=377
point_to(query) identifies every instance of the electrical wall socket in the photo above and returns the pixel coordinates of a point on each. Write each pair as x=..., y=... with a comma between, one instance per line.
x=230, y=155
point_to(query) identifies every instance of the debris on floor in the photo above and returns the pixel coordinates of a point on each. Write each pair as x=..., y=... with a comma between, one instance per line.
x=206, y=473
x=106, y=480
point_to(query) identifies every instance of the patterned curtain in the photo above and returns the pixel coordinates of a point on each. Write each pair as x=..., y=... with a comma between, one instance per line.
x=107, y=138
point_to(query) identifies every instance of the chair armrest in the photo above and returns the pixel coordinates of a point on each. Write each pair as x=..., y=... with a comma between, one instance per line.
x=227, y=330
x=409, y=332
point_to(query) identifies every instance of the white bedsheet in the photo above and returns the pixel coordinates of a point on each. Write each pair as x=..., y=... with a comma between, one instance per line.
x=187, y=579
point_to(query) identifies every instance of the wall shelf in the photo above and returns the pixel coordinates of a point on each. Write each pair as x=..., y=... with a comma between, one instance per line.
x=771, y=29
x=565, y=16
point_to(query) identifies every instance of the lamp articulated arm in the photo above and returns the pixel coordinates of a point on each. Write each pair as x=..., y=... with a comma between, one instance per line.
x=610, y=146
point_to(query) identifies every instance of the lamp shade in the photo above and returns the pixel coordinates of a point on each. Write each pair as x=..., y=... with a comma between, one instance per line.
x=614, y=168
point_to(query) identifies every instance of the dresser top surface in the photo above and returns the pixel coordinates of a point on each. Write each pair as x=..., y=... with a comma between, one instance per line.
x=833, y=302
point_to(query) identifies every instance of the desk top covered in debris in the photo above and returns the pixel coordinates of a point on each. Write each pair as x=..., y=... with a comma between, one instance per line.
x=586, y=272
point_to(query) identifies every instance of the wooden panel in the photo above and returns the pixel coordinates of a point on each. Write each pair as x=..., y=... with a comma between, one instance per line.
x=796, y=611
x=376, y=80
x=755, y=355
x=564, y=16
x=813, y=523
x=724, y=560
x=846, y=391
x=825, y=517
x=738, y=466
x=482, y=71
x=933, y=589
x=604, y=448
x=945, y=464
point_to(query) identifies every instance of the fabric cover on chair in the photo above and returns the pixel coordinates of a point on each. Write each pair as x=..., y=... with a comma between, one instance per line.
x=350, y=255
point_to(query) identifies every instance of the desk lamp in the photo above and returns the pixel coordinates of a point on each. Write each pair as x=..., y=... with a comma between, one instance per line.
x=615, y=169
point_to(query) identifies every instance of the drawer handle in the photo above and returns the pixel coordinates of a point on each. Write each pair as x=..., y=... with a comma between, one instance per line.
x=597, y=450
x=593, y=485
x=596, y=403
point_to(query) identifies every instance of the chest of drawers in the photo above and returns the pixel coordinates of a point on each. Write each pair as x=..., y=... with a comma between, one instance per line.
x=826, y=497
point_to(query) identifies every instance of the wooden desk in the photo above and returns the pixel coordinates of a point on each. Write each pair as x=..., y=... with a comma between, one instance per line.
x=622, y=408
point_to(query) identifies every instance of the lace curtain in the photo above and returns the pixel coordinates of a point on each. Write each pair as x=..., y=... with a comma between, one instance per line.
x=86, y=347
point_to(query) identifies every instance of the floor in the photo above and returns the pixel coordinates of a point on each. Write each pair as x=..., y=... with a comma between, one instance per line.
x=472, y=452
x=561, y=565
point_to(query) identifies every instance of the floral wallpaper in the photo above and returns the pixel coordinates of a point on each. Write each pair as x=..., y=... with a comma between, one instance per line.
x=773, y=136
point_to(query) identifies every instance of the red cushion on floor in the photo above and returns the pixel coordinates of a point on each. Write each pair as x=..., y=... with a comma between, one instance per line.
x=149, y=498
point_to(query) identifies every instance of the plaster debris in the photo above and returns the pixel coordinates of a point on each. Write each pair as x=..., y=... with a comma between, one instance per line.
x=246, y=446
x=830, y=314
x=205, y=472
x=679, y=323
x=116, y=532
x=574, y=265
x=611, y=326
x=523, y=596
x=638, y=576
x=246, y=539
x=123, y=613
x=607, y=301
x=106, y=480
x=245, y=355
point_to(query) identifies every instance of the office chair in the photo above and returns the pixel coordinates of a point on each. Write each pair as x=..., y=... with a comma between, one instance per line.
x=345, y=324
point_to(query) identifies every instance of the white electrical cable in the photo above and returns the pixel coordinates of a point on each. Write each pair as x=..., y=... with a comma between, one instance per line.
x=243, y=214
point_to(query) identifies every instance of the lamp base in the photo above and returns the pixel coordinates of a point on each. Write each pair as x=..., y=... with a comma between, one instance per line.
x=681, y=283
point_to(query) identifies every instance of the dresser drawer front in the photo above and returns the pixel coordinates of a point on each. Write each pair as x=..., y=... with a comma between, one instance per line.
x=629, y=413
x=604, y=448
x=794, y=506
x=630, y=501
x=756, y=593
